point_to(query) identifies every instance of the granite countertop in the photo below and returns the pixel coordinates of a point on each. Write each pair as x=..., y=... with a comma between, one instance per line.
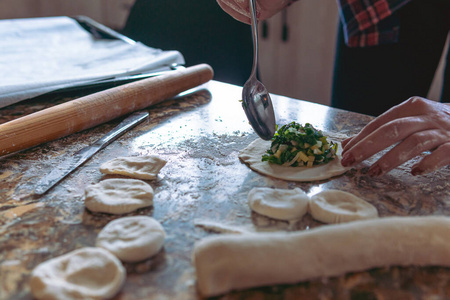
x=199, y=134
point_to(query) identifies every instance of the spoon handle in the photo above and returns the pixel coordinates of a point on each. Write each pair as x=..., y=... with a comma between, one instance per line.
x=254, y=23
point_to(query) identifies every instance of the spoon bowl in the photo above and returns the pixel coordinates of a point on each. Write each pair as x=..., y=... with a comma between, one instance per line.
x=255, y=97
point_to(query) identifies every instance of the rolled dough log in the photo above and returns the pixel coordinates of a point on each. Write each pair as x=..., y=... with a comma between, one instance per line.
x=86, y=273
x=229, y=262
x=334, y=206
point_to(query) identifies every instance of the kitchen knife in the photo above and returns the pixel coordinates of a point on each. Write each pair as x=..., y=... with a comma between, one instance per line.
x=81, y=156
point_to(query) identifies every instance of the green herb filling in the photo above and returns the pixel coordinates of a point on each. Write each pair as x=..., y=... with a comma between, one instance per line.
x=300, y=146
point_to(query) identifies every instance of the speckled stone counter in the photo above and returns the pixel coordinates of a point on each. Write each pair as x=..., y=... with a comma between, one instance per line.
x=199, y=134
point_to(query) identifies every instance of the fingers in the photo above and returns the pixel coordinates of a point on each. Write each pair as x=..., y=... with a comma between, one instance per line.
x=412, y=107
x=409, y=148
x=239, y=11
x=345, y=142
x=385, y=136
x=416, y=125
x=439, y=158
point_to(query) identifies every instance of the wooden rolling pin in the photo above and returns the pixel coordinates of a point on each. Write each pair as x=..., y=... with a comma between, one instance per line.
x=86, y=112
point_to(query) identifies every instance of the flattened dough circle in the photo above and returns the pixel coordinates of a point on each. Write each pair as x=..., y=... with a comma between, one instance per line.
x=86, y=273
x=140, y=167
x=280, y=204
x=132, y=239
x=252, y=156
x=334, y=206
x=118, y=196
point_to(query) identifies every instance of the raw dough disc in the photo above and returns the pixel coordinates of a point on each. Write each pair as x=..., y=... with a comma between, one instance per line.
x=281, y=204
x=86, y=273
x=132, y=239
x=118, y=196
x=334, y=206
x=252, y=156
x=140, y=167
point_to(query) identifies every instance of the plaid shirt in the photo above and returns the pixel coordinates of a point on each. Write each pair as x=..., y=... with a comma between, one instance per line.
x=366, y=22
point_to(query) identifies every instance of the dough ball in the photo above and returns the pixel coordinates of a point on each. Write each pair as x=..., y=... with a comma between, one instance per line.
x=86, y=273
x=140, y=167
x=252, y=155
x=281, y=204
x=118, y=196
x=132, y=239
x=334, y=206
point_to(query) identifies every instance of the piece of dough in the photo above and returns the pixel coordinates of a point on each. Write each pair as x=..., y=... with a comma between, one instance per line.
x=219, y=227
x=140, y=167
x=86, y=273
x=118, y=196
x=252, y=155
x=280, y=204
x=334, y=206
x=132, y=239
x=229, y=262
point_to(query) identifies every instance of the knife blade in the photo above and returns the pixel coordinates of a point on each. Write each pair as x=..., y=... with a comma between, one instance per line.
x=81, y=156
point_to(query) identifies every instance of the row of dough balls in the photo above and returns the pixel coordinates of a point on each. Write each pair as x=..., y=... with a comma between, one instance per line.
x=329, y=206
x=97, y=272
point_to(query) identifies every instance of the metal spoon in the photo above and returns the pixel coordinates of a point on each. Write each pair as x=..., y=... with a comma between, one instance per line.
x=255, y=97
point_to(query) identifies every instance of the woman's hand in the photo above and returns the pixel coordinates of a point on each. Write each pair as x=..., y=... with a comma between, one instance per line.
x=414, y=126
x=239, y=9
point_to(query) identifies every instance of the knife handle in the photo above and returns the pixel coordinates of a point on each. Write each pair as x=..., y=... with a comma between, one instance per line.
x=89, y=111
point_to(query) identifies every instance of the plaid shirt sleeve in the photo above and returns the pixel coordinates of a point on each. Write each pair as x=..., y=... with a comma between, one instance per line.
x=366, y=22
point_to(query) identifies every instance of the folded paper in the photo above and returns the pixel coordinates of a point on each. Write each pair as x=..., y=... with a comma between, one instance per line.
x=40, y=55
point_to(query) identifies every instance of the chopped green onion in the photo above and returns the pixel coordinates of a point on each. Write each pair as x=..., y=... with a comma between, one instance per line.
x=296, y=145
